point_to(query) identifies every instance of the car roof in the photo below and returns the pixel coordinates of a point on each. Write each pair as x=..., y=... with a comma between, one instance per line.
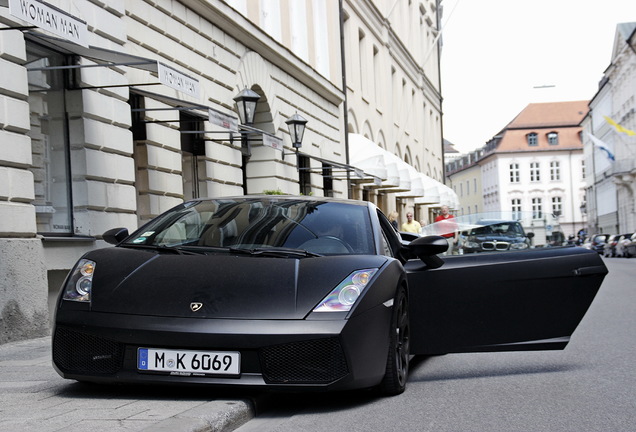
x=275, y=197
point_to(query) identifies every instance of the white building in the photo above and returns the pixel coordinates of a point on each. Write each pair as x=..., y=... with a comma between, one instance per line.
x=128, y=109
x=532, y=170
x=611, y=191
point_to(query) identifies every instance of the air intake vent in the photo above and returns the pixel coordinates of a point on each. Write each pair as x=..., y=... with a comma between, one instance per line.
x=318, y=361
x=81, y=353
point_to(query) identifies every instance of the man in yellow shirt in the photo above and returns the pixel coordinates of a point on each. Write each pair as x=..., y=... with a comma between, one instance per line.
x=411, y=225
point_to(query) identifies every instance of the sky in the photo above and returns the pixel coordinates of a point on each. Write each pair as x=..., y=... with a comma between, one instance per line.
x=498, y=56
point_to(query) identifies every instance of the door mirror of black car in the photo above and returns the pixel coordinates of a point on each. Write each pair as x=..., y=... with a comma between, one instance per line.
x=427, y=248
x=115, y=235
x=530, y=235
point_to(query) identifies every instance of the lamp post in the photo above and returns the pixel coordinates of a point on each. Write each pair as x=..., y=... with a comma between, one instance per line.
x=246, y=106
x=296, y=125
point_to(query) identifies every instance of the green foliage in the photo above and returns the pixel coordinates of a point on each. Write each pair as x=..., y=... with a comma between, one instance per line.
x=273, y=192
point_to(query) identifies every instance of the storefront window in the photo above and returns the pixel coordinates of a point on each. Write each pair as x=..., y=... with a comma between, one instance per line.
x=49, y=142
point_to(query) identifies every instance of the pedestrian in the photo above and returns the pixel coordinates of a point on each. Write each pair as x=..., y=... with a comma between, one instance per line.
x=447, y=228
x=411, y=225
x=393, y=218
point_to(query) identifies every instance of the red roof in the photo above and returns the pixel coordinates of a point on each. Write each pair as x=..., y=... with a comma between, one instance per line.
x=562, y=118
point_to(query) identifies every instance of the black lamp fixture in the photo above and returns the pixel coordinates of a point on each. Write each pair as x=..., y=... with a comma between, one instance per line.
x=246, y=105
x=296, y=125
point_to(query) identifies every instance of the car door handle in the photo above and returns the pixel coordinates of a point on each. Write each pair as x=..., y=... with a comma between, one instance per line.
x=593, y=270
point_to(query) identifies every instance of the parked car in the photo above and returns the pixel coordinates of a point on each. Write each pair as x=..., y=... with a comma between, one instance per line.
x=302, y=293
x=496, y=235
x=598, y=241
x=621, y=245
x=609, y=249
x=630, y=246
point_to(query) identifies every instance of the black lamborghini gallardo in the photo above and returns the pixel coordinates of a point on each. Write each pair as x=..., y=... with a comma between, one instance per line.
x=302, y=293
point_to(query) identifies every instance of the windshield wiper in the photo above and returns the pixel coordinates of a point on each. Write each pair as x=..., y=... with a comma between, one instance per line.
x=275, y=252
x=163, y=248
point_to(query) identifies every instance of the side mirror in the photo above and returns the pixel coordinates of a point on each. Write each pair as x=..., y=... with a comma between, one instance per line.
x=427, y=248
x=115, y=235
x=530, y=235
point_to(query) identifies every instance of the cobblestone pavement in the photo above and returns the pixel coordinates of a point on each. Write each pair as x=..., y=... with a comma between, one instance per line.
x=33, y=397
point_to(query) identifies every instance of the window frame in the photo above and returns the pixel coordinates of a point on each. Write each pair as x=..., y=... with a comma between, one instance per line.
x=54, y=209
x=535, y=172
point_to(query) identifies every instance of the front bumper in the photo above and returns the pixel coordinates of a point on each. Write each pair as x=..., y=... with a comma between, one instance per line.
x=285, y=354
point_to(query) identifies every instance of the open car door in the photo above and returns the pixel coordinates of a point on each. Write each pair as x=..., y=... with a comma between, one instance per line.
x=512, y=301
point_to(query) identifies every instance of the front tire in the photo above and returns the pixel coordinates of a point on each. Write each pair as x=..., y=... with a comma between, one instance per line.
x=397, y=365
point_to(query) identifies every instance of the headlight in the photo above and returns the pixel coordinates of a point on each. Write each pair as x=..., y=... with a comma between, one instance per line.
x=79, y=285
x=518, y=246
x=471, y=244
x=342, y=298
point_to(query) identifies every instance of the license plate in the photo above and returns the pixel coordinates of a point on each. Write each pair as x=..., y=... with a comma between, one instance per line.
x=185, y=362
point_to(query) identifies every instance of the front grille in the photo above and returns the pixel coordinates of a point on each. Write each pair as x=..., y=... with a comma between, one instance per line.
x=76, y=352
x=491, y=246
x=318, y=361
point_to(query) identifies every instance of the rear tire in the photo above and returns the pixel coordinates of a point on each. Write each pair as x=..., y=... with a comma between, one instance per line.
x=397, y=365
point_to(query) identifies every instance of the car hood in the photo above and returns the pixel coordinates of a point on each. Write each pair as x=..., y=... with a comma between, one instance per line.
x=141, y=282
x=502, y=238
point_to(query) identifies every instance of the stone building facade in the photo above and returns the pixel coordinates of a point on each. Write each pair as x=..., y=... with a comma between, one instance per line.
x=111, y=112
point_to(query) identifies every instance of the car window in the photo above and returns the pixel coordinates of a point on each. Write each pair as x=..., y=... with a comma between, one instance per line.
x=488, y=232
x=329, y=228
x=390, y=237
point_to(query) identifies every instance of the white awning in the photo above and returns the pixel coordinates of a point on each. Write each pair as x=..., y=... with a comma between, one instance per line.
x=398, y=176
x=370, y=158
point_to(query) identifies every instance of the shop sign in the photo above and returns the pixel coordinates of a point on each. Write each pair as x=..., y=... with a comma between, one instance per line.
x=178, y=81
x=49, y=18
x=222, y=120
x=273, y=142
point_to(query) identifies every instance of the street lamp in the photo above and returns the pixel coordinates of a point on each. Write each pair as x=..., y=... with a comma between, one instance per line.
x=296, y=125
x=246, y=105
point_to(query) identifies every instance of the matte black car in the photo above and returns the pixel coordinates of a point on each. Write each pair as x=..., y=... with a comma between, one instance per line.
x=302, y=293
x=496, y=235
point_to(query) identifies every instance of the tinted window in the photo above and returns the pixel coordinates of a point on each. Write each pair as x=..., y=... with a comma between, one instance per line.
x=328, y=228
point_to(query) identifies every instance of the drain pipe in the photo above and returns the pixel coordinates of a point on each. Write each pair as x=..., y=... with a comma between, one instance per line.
x=344, y=92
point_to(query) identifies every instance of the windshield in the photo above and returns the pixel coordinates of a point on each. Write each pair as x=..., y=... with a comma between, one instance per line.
x=325, y=228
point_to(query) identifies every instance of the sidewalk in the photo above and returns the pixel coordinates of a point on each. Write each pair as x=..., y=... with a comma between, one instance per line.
x=33, y=397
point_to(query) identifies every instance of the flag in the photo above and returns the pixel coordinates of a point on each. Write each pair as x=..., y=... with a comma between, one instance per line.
x=601, y=145
x=618, y=127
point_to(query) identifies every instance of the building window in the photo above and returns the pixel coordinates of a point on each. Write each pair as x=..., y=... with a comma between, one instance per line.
x=192, y=151
x=475, y=186
x=553, y=138
x=327, y=180
x=557, y=207
x=362, y=52
x=583, y=169
x=304, y=175
x=467, y=187
x=535, y=172
x=515, y=205
x=514, y=173
x=537, y=210
x=555, y=171
x=533, y=139
x=51, y=152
